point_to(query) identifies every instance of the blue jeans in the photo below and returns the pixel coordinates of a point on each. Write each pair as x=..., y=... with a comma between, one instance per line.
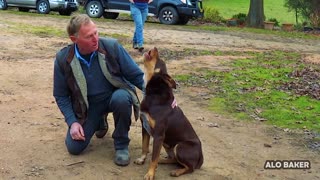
x=120, y=104
x=139, y=16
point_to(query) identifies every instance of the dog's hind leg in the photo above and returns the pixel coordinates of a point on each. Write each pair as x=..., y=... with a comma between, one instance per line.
x=187, y=156
x=171, y=157
x=178, y=172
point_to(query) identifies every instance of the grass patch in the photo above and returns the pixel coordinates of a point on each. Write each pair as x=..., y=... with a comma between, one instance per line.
x=272, y=9
x=41, y=31
x=168, y=54
x=252, y=91
x=34, y=13
x=51, y=31
x=122, y=38
x=284, y=34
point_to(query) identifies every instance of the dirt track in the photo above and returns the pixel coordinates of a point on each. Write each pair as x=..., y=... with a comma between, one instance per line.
x=32, y=129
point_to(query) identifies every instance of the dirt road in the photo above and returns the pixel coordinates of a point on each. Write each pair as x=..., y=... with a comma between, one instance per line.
x=32, y=129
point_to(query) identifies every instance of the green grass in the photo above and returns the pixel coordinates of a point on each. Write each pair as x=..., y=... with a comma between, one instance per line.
x=272, y=9
x=251, y=90
x=41, y=31
x=293, y=34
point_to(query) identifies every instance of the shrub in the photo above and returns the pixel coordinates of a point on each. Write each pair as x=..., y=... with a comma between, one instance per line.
x=241, y=18
x=298, y=27
x=308, y=9
x=276, y=22
x=211, y=15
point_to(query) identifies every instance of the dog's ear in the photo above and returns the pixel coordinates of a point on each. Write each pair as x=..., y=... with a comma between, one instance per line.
x=171, y=83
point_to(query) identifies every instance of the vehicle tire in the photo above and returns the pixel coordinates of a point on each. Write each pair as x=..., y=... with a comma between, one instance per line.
x=3, y=5
x=183, y=20
x=94, y=9
x=43, y=7
x=168, y=15
x=65, y=12
x=22, y=9
x=110, y=15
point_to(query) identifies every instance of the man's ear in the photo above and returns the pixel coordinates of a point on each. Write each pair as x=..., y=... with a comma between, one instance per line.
x=73, y=39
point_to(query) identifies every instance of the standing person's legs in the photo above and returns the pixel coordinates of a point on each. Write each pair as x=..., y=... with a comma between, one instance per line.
x=121, y=106
x=137, y=18
x=144, y=15
x=95, y=116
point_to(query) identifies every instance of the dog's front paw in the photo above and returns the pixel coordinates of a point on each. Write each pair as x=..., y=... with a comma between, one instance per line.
x=140, y=160
x=149, y=176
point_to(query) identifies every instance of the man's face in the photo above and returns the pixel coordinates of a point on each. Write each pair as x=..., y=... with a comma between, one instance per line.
x=87, y=38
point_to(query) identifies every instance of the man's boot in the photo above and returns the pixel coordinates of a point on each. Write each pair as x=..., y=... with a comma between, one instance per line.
x=103, y=128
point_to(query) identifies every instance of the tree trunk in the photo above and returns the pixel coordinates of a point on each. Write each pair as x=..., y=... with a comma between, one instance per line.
x=255, y=16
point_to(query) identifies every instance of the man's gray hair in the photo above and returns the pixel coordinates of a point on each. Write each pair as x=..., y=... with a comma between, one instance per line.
x=75, y=23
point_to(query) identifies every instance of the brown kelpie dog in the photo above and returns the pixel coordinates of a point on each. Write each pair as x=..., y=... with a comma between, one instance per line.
x=170, y=128
x=152, y=63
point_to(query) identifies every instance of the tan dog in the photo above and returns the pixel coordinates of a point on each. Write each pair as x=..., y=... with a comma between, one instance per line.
x=168, y=125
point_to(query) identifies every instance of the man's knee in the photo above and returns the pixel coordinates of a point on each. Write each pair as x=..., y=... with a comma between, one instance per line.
x=121, y=99
x=75, y=148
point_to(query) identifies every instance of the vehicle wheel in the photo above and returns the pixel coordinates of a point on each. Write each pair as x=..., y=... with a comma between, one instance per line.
x=183, y=20
x=94, y=9
x=3, y=5
x=168, y=15
x=22, y=9
x=43, y=7
x=65, y=12
x=110, y=15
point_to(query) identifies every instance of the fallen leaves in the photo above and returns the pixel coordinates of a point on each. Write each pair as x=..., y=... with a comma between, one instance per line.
x=305, y=82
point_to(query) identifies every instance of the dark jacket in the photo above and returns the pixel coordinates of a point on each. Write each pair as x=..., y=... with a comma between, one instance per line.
x=123, y=73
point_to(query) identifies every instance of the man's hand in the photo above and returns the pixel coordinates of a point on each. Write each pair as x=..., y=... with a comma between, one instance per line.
x=131, y=1
x=150, y=1
x=76, y=132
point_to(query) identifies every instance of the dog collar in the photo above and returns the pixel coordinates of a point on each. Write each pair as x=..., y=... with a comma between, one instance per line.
x=174, y=103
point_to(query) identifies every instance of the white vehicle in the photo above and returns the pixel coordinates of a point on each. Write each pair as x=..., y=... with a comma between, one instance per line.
x=64, y=7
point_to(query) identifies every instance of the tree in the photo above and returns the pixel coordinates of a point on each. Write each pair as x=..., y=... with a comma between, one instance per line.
x=255, y=16
x=308, y=9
